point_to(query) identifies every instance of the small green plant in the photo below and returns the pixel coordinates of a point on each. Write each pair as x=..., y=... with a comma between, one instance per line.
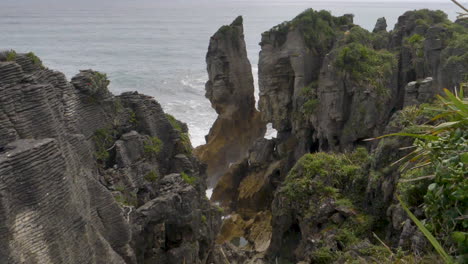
x=100, y=81
x=118, y=107
x=185, y=140
x=203, y=218
x=184, y=136
x=151, y=176
x=415, y=38
x=309, y=107
x=220, y=209
x=35, y=60
x=310, y=90
x=153, y=146
x=324, y=255
x=174, y=123
x=120, y=188
x=133, y=119
x=11, y=55
x=103, y=140
x=416, y=43
x=188, y=179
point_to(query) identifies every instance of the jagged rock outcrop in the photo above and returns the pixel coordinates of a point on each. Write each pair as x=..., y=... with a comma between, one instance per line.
x=326, y=85
x=322, y=84
x=380, y=25
x=419, y=92
x=349, y=108
x=230, y=90
x=88, y=177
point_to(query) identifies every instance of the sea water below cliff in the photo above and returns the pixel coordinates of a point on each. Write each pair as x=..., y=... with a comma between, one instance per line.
x=158, y=47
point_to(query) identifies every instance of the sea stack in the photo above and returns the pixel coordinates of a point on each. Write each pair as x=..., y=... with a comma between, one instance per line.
x=230, y=89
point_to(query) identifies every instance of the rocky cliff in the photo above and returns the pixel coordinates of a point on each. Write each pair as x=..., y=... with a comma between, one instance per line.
x=89, y=177
x=230, y=89
x=326, y=85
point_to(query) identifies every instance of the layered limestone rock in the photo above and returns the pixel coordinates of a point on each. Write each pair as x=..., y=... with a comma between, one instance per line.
x=351, y=106
x=88, y=177
x=313, y=85
x=291, y=59
x=380, y=25
x=326, y=85
x=230, y=90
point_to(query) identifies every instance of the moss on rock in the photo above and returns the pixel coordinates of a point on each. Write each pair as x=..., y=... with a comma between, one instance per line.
x=366, y=65
x=11, y=55
x=319, y=28
x=325, y=174
x=153, y=146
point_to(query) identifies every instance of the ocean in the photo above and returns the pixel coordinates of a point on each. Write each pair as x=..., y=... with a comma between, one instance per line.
x=158, y=47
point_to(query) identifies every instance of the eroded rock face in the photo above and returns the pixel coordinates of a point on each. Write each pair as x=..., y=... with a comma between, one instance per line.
x=380, y=25
x=326, y=85
x=177, y=226
x=87, y=177
x=419, y=92
x=230, y=90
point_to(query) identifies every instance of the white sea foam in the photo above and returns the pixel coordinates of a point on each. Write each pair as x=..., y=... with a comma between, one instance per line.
x=270, y=132
x=209, y=192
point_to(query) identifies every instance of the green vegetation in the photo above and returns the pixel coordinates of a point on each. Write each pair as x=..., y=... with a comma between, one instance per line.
x=103, y=140
x=185, y=140
x=133, y=118
x=324, y=255
x=318, y=28
x=118, y=107
x=184, y=136
x=188, y=178
x=11, y=55
x=100, y=81
x=429, y=236
x=153, y=146
x=35, y=60
x=458, y=43
x=429, y=17
x=310, y=93
x=309, y=106
x=358, y=35
x=415, y=38
x=121, y=199
x=174, y=122
x=151, y=176
x=366, y=65
x=232, y=31
x=325, y=175
x=203, y=218
x=310, y=90
x=120, y=188
x=220, y=209
x=416, y=43
x=441, y=149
